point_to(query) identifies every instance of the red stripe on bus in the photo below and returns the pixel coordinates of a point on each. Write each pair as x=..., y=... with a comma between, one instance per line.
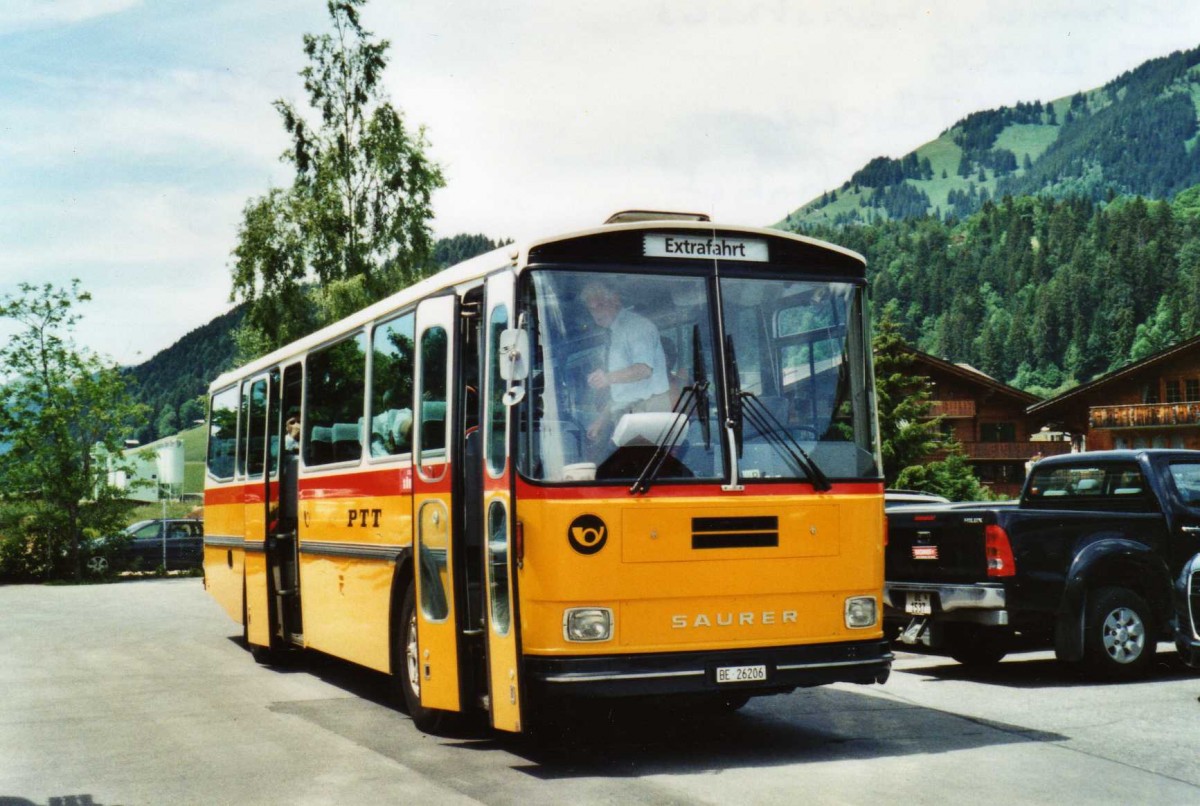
x=371, y=483
x=233, y=494
x=529, y=491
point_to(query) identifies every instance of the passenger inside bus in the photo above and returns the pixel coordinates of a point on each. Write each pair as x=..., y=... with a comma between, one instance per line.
x=635, y=368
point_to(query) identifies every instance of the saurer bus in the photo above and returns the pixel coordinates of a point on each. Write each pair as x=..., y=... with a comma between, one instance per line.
x=639, y=460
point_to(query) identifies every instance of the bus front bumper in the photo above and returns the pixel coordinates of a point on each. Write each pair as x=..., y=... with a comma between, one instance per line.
x=661, y=674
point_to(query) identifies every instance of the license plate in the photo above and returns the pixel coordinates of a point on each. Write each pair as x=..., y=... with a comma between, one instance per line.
x=919, y=604
x=741, y=674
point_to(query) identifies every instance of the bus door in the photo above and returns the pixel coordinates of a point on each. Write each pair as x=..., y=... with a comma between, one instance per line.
x=282, y=494
x=255, y=410
x=502, y=640
x=434, y=557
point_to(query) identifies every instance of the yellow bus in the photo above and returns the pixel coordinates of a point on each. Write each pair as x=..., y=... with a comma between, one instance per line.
x=637, y=460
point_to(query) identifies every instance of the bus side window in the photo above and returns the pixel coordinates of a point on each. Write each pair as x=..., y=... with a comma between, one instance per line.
x=497, y=412
x=333, y=405
x=243, y=438
x=222, y=433
x=391, y=415
x=434, y=355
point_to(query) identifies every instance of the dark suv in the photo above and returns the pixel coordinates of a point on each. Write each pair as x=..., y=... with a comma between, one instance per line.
x=140, y=546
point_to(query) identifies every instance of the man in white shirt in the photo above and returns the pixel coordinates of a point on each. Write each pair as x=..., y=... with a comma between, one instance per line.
x=635, y=373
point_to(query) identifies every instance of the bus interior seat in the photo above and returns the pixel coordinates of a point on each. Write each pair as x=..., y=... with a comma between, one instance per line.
x=347, y=442
x=433, y=435
x=320, y=446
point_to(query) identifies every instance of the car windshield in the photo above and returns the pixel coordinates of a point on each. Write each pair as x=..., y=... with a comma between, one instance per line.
x=626, y=370
x=1186, y=476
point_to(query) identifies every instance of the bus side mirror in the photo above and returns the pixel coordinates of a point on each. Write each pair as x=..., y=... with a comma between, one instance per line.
x=514, y=363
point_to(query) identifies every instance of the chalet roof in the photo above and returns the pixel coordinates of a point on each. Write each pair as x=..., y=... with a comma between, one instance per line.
x=1119, y=374
x=968, y=374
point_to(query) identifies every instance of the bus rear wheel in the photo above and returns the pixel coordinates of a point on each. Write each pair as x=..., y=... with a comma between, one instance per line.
x=406, y=670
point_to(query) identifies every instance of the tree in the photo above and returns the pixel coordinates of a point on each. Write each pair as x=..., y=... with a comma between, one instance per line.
x=191, y=412
x=167, y=423
x=908, y=432
x=354, y=225
x=61, y=409
x=951, y=477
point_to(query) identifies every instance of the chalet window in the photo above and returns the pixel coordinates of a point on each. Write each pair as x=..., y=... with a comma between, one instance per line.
x=1191, y=389
x=1171, y=388
x=1150, y=394
x=997, y=432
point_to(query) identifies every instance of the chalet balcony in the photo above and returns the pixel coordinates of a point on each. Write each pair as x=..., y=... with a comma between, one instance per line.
x=1009, y=451
x=1147, y=415
x=952, y=409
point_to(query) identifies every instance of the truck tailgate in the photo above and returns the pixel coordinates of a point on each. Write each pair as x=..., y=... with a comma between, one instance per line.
x=936, y=544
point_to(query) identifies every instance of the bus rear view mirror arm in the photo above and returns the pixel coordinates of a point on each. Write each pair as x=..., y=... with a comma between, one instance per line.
x=514, y=363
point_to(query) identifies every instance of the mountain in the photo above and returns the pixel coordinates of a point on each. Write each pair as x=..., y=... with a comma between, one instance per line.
x=1136, y=135
x=181, y=373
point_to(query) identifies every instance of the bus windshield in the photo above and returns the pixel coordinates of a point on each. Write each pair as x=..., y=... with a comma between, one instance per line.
x=800, y=379
x=626, y=368
x=612, y=355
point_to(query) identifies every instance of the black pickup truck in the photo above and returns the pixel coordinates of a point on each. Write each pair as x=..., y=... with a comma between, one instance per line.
x=1187, y=612
x=1087, y=562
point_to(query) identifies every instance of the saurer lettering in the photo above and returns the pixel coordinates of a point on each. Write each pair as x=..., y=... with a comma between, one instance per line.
x=750, y=618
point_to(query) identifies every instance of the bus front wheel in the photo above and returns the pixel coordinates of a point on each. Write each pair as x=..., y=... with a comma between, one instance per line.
x=406, y=670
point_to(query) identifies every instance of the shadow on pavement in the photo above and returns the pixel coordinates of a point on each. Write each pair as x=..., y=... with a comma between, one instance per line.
x=1022, y=671
x=630, y=740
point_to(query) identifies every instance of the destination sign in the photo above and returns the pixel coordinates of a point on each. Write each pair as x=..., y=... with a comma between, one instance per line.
x=705, y=247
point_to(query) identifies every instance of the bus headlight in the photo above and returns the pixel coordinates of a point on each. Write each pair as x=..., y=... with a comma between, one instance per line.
x=587, y=624
x=860, y=612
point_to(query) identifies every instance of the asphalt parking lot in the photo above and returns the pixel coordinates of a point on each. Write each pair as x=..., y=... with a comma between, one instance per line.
x=140, y=692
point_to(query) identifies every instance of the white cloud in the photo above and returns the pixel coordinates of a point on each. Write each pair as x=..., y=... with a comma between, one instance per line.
x=127, y=150
x=18, y=15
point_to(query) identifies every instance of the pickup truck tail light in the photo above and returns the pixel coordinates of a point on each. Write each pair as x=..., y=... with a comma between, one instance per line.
x=999, y=553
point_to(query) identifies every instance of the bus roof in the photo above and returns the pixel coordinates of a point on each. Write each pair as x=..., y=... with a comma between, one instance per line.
x=515, y=256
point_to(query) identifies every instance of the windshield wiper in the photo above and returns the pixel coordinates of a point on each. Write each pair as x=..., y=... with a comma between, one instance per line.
x=700, y=385
x=685, y=406
x=733, y=421
x=693, y=400
x=778, y=435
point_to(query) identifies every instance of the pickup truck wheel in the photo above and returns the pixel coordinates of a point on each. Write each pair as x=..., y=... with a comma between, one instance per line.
x=1118, y=635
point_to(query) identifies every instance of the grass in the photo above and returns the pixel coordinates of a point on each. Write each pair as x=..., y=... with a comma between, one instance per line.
x=944, y=155
x=1027, y=138
x=175, y=509
x=194, y=446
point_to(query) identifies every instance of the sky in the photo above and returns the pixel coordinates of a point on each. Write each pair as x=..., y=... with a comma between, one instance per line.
x=133, y=132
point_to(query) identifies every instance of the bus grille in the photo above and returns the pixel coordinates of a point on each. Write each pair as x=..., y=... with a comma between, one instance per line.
x=735, y=533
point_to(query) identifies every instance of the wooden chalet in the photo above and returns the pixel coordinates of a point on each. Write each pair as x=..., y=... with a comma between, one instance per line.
x=989, y=419
x=1152, y=403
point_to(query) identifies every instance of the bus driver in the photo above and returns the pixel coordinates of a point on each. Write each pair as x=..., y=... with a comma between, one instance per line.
x=635, y=370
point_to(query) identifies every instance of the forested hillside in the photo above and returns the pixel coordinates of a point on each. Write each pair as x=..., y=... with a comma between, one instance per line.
x=1039, y=292
x=1136, y=135
x=173, y=382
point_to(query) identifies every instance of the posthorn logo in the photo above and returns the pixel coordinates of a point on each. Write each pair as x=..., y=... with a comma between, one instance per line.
x=587, y=534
